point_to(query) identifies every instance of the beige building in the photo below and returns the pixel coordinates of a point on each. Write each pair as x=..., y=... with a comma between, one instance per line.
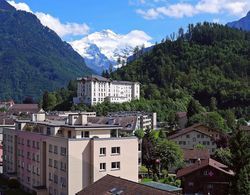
x=96, y=89
x=190, y=137
x=63, y=157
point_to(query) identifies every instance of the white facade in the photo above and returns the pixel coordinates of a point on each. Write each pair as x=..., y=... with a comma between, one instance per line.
x=95, y=89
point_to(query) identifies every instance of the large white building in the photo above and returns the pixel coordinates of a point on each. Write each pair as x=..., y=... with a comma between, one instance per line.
x=96, y=89
x=62, y=157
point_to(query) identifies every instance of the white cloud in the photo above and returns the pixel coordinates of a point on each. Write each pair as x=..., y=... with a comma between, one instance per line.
x=62, y=29
x=20, y=6
x=179, y=10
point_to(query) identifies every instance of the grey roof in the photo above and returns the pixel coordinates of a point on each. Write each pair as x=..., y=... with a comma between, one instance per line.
x=162, y=186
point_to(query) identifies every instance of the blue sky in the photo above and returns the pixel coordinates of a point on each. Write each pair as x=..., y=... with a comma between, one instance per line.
x=157, y=18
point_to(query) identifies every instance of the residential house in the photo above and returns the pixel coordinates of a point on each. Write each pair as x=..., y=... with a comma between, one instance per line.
x=206, y=177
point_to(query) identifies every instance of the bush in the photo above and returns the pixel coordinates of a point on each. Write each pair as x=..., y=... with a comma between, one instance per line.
x=155, y=178
x=13, y=183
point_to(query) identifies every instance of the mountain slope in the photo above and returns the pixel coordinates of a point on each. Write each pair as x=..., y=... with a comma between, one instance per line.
x=243, y=23
x=102, y=49
x=210, y=60
x=32, y=57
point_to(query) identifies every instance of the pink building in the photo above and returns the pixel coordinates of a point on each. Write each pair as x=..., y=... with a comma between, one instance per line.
x=63, y=157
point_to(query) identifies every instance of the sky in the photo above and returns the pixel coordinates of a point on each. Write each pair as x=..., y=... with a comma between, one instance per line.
x=155, y=19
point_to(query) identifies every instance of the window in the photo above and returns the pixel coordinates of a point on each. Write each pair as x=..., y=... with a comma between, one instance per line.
x=202, y=136
x=102, y=166
x=28, y=143
x=33, y=144
x=50, y=162
x=205, y=173
x=63, y=181
x=115, y=150
x=115, y=165
x=37, y=145
x=102, y=151
x=50, y=148
x=63, y=151
x=55, y=164
x=86, y=134
x=28, y=155
x=55, y=178
x=55, y=149
x=190, y=183
x=63, y=166
x=187, y=136
x=50, y=176
x=48, y=131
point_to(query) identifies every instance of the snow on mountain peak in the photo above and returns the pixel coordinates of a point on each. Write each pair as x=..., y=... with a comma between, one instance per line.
x=111, y=45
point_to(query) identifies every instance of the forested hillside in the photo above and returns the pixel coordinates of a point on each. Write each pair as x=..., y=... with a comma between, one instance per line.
x=32, y=57
x=209, y=60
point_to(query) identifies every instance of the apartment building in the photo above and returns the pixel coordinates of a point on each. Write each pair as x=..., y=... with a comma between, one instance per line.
x=143, y=120
x=62, y=157
x=190, y=137
x=96, y=89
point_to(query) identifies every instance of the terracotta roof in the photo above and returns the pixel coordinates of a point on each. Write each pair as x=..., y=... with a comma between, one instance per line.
x=204, y=163
x=111, y=185
x=196, y=154
x=30, y=108
x=181, y=132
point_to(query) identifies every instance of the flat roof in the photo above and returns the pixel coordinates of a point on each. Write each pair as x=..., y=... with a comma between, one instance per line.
x=162, y=186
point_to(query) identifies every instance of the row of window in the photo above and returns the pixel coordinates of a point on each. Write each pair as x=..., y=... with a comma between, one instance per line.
x=55, y=179
x=55, y=164
x=35, y=157
x=114, y=166
x=35, y=170
x=203, y=142
x=29, y=143
x=55, y=150
x=114, y=151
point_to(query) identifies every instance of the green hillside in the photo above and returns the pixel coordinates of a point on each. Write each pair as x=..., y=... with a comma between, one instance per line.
x=32, y=57
x=209, y=60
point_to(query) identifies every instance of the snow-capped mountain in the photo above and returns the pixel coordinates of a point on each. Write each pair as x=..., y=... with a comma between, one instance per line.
x=101, y=50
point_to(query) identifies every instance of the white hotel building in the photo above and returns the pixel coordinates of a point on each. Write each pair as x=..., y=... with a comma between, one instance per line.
x=52, y=157
x=96, y=89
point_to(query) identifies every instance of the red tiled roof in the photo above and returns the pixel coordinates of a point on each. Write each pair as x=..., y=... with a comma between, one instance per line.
x=196, y=154
x=105, y=185
x=203, y=163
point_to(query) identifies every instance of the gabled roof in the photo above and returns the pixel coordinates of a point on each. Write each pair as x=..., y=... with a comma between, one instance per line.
x=194, y=127
x=181, y=132
x=196, y=154
x=111, y=185
x=202, y=164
